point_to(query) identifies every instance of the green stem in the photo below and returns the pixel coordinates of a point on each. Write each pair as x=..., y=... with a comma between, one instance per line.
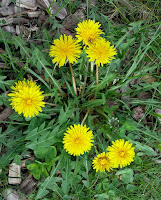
x=92, y=66
x=85, y=117
x=76, y=169
x=73, y=79
x=97, y=74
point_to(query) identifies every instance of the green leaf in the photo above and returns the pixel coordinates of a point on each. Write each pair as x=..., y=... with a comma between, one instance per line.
x=51, y=154
x=41, y=152
x=4, y=84
x=127, y=175
x=146, y=149
x=19, y=42
x=42, y=63
x=104, y=82
x=17, y=160
x=86, y=183
x=94, y=103
x=64, y=114
x=131, y=187
x=35, y=170
x=43, y=189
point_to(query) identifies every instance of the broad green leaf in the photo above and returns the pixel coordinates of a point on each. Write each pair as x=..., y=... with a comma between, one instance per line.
x=127, y=175
x=64, y=114
x=146, y=149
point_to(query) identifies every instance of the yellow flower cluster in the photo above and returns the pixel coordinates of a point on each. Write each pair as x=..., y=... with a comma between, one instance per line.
x=78, y=140
x=68, y=49
x=26, y=96
x=120, y=154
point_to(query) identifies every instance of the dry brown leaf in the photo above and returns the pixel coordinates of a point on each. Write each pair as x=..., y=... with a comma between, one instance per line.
x=28, y=185
x=139, y=113
x=148, y=78
x=10, y=29
x=5, y=114
x=34, y=14
x=71, y=22
x=29, y=4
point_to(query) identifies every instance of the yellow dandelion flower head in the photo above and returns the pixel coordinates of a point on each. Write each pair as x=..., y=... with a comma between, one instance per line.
x=102, y=162
x=65, y=48
x=101, y=52
x=26, y=98
x=78, y=140
x=121, y=153
x=88, y=31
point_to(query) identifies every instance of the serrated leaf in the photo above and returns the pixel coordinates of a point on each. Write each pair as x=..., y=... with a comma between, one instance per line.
x=19, y=42
x=64, y=115
x=4, y=84
x=42, y=63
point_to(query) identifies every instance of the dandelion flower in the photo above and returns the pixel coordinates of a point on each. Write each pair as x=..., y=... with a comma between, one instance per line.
x=101, y=52
x=78, y=140
x=65, y=48
x=121, y=153
x=88, y=31
x=27, y=98
x=102, y=162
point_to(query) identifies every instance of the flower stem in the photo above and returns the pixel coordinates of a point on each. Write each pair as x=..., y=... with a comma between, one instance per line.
x=73, y=79
x=76, y=169
x=92, y=66
x=97, y=74
x=85, y=117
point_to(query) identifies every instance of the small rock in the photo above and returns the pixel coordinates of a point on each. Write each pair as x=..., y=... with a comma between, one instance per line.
x=14, y=174
x=29, y=4
x=10, y=194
